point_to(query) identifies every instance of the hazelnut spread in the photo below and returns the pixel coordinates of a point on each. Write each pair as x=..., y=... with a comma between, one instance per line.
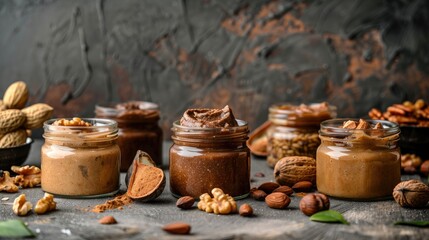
x=294, y=130
x=80, y=158
x=138, y=129
x=209, y=152
x=358, y=159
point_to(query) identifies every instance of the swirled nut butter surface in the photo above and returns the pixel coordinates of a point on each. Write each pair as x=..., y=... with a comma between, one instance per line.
x=209, y=151
x=358, y=159
x=80, y=158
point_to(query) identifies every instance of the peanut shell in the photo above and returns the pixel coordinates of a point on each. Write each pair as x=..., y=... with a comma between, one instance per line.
x=36, y=115
x=13, y=139
x=11, y=120
x=16, y=95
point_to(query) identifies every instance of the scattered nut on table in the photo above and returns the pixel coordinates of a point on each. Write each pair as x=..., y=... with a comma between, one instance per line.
x=245, y=210
x=107, y=220
x=29, y=176
x=45, y=204
x=20, y=206
x=221, y=203
x=313, y=203
x=411, y=194
x=6, y=182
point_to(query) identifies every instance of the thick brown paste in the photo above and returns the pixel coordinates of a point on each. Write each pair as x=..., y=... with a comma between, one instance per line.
x=209, y=118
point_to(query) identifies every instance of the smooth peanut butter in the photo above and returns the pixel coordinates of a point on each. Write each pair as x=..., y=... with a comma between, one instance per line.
x=209, y=151
x=358, y=161
x=80, y=161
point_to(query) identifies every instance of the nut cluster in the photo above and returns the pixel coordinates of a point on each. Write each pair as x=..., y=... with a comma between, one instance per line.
x=27, y=177
x=75, y=122
x=407, y=113
x=220, y=203
x=17, y=121
x=22, y=207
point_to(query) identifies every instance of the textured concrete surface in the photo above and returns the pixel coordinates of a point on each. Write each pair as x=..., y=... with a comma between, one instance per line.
x=72, y=220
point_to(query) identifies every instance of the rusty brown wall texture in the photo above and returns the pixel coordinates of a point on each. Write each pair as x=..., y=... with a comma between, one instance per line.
x=355, y=54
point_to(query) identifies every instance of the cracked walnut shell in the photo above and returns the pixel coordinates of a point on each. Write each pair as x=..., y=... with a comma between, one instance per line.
x=411, y=193
x=20, y=206
x=221, y=203
x=45, y=204
x=29, y=176
x=6, y=182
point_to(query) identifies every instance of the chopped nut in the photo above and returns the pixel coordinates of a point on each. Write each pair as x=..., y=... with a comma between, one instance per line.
x=363, y=124
x=74, y=122
x=350, y=124
x=20, y=206
x=221, y=203
x=28, y=176
x=6, y=182
x=45, y=204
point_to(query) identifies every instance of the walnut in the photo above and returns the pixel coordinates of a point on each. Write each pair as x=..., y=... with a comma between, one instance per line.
x=45, y=204
x=221, y=203
x=28, y=176
x=78, y=122
x=411, y=193
x=6, y=182
x=20, y=206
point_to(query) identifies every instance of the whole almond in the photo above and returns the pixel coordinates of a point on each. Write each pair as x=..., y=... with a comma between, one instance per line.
x=13, y=139
x=37, y=114
x=11, y=120
x=268, y=187
x=177, y=228
x=303, y=186
x=245, y=210
x=277, y=200
x=185, y=202
x=107, y=220
x=258, y=195
x=16, y=95
x=284, y=189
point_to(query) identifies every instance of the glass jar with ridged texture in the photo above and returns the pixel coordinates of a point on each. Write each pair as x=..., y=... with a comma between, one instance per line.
x=138, y=129
x=205, y=158
x=81, y=161
x=294, y=130
x=359, y=164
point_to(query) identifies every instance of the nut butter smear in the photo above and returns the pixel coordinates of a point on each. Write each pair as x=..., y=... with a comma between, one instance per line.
x=358, y=160
x=209, y=118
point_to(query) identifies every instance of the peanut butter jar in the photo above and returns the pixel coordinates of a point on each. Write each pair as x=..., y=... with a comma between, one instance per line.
x=138, y=129
x=358, y=164
x=81, y=161
x=206, y=156
x=294, y=129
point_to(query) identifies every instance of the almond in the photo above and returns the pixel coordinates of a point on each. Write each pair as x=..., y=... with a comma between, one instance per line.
x=107, y=220
x=245, y=210
x=185, y=202
x=16, y=95
x=177, y=228
x=36, y=115
x=284, y=189
x=303, y=186
x=277, y=200
x=268, y=187
x=11, y=120
x=258, y=195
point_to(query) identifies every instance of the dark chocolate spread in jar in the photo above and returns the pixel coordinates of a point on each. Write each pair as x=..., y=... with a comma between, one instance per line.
x=138, y=129
x=209, y=151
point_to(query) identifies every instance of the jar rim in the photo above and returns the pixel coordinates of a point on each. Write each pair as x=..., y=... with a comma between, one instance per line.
x=290, y=114
x=109, y=109
x=333, y=128
x=242, y=126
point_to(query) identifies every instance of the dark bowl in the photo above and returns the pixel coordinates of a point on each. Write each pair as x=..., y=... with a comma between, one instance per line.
x=14, y=156
x=415, y=140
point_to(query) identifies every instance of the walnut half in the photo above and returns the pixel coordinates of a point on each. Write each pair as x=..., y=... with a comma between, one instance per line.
x=20, y=206
x=221, y=203
x=28, y=176
x=45, y=204
x=6, y=182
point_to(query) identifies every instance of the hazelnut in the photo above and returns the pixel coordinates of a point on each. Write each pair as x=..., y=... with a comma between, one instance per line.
x=245, y=210
x=313, y=203
x=185, y=202
x=411, y=193
x=277, y=200
x=424, y=168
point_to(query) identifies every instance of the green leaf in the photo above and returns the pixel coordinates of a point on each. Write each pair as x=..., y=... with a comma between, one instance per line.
x=328, y=216
x=414, y=223
x=14, y=228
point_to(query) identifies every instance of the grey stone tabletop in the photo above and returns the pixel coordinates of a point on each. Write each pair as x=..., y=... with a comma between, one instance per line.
x=74, y=220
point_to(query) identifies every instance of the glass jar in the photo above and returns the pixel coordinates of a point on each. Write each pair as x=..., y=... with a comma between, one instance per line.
x=79, y=161
x=205, y=158
x=294, y=130
x=361, y=164
x=138, y=129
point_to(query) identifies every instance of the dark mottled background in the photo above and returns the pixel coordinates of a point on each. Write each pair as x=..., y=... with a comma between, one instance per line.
x=249, y=54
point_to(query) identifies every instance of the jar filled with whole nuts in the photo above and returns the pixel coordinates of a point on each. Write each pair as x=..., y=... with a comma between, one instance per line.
x=358, y=159
x=138, y=129
x=294, y=129
x=80, y=158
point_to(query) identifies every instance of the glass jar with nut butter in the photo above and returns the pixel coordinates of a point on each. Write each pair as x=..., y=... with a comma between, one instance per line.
x=358, y=159
x=294, y=130
x=80, y=158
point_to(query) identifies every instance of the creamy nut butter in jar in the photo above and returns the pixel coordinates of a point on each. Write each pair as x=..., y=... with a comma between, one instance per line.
x=358, y=160
x=138, y=129
x=80, y=157
x=209, y=151
x=294, y=130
